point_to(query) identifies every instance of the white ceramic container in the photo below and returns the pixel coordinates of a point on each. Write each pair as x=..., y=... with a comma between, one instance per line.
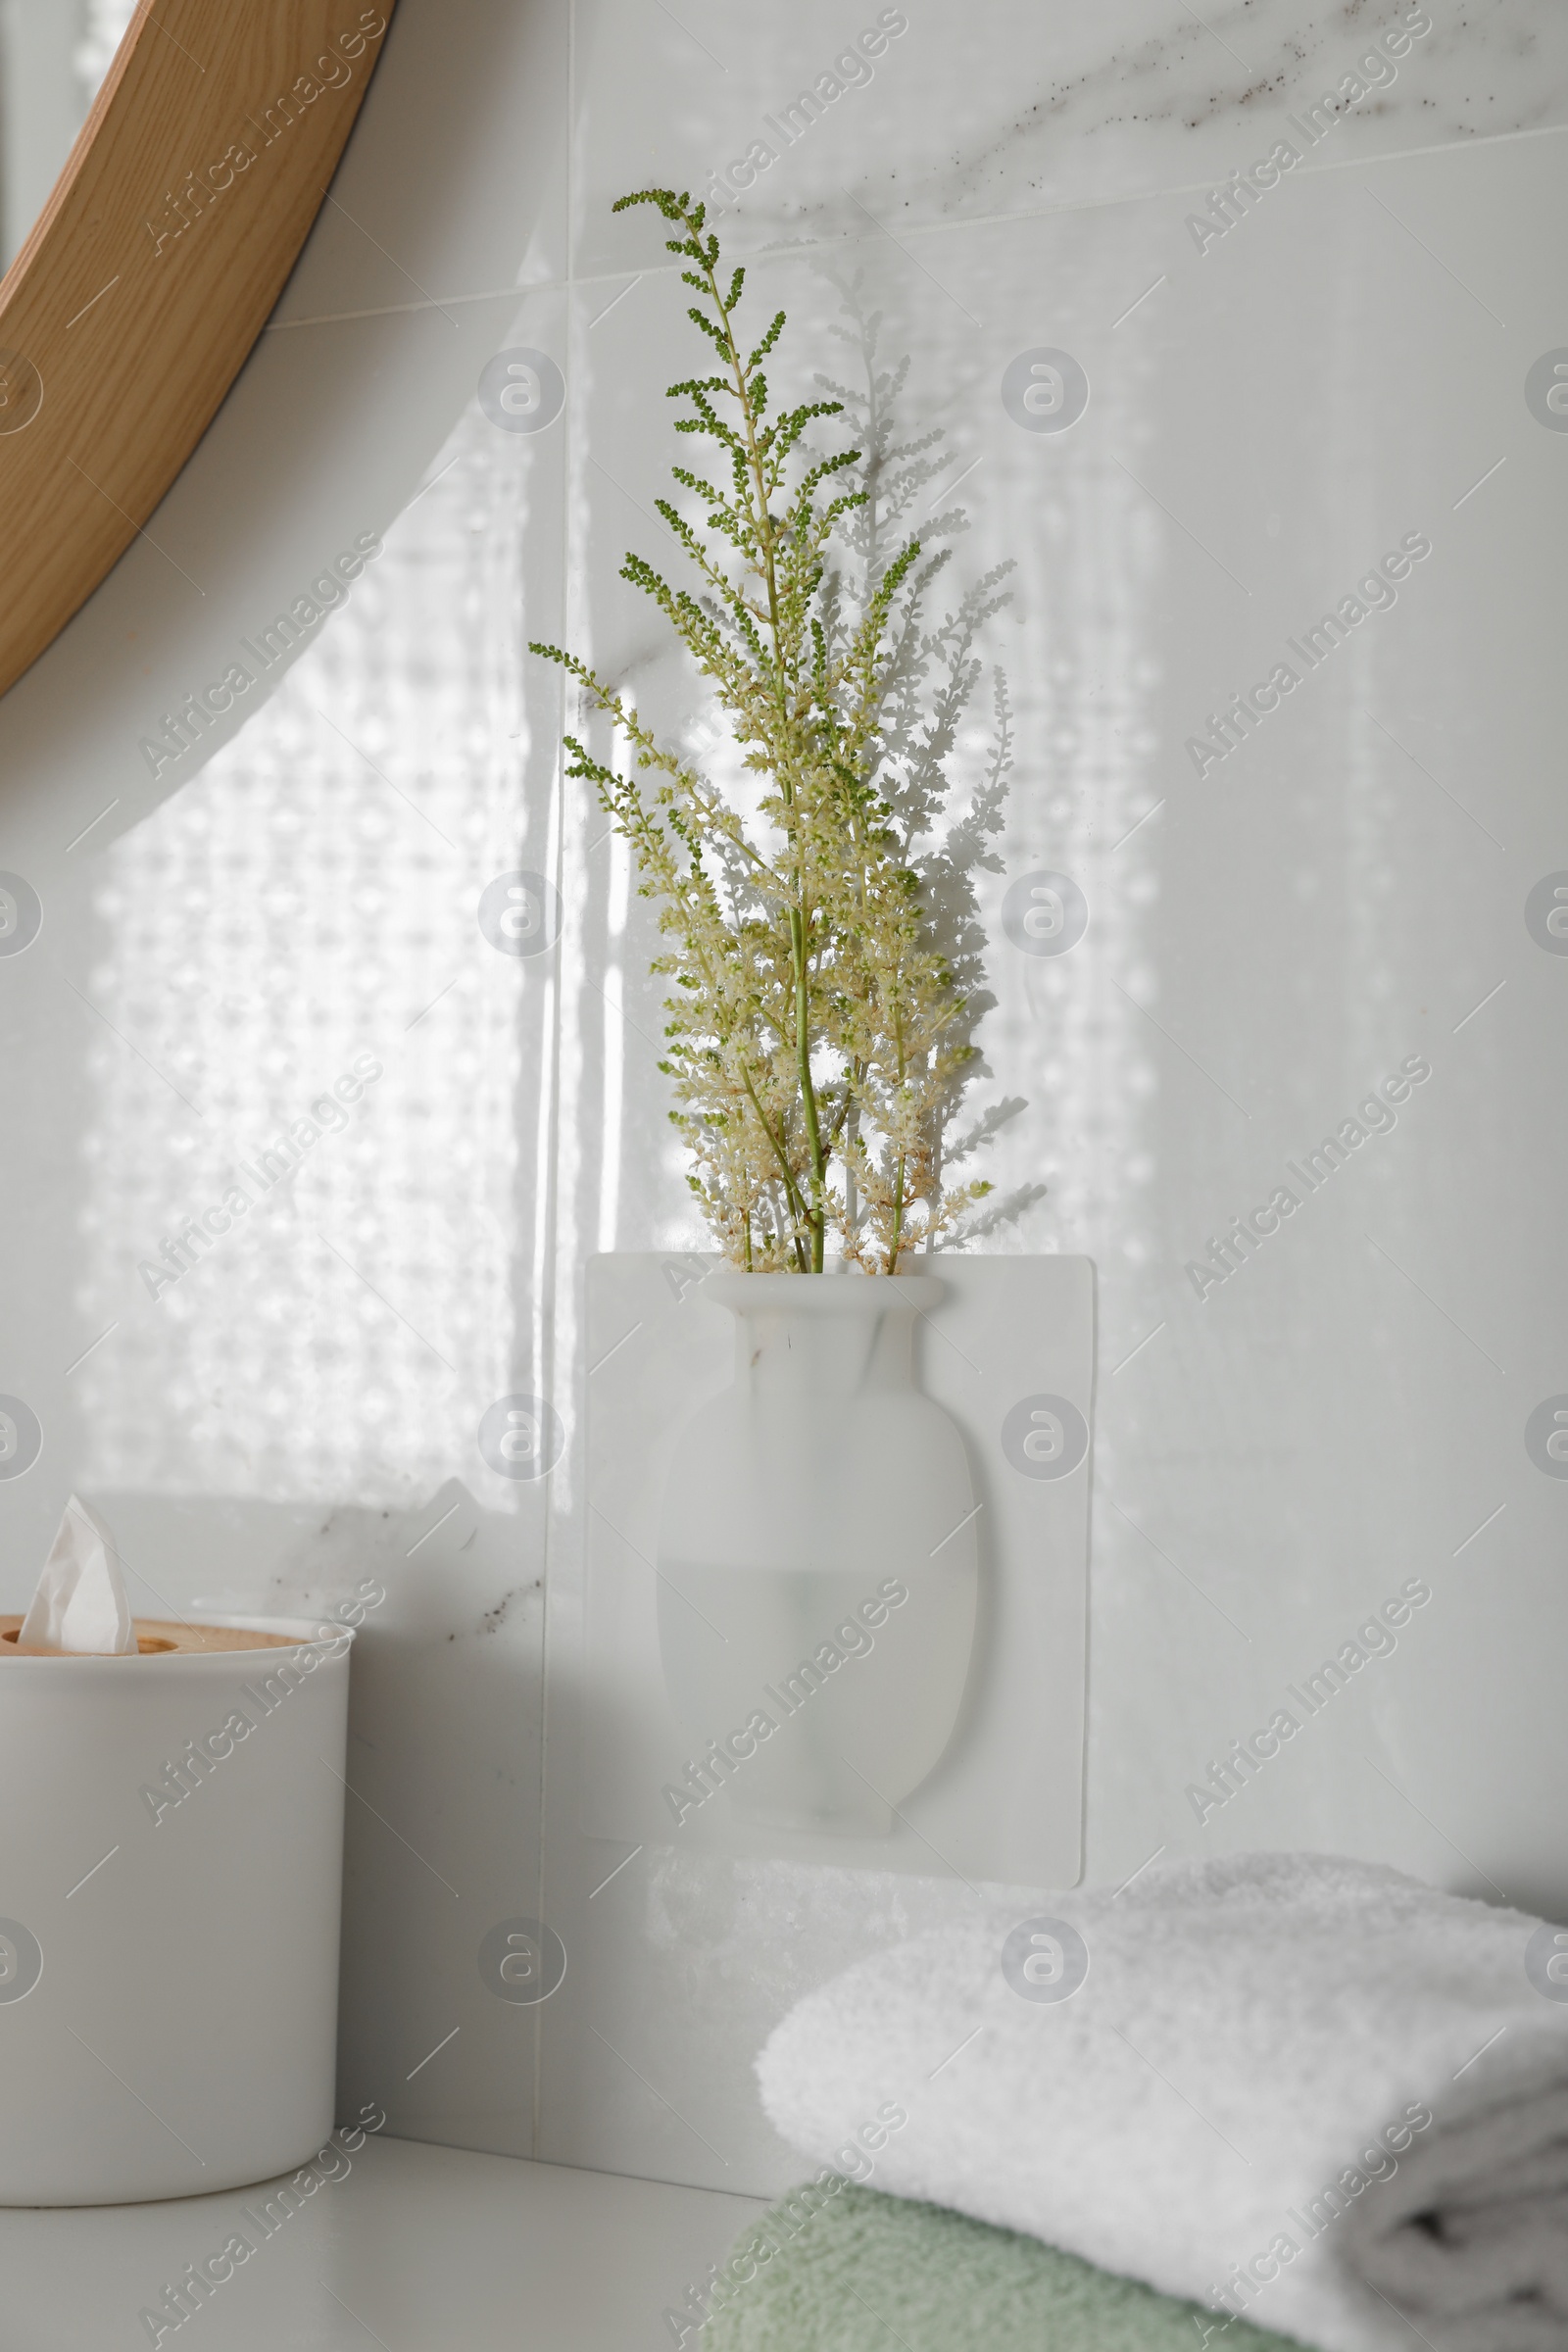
x=818, y=1557
x=169, y=1899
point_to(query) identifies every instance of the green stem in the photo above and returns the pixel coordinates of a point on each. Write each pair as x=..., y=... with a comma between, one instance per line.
x=791, y=1189
x=898, y=1188
x=802, y=1060
x=799, y=913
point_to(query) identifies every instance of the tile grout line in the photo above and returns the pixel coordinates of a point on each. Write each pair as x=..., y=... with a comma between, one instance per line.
x=557, y=1019
x=574, y=280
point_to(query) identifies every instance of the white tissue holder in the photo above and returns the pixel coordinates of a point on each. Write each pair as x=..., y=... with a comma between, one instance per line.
x=169, y=1902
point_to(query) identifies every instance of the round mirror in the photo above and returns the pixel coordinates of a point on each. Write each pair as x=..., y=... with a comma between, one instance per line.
x=124, y=324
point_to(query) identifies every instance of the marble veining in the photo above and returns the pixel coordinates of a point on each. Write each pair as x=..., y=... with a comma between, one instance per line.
x=1012, y=106
x=1397, y=78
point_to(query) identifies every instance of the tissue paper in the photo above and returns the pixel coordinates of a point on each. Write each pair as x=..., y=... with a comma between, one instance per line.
x=81, y=1603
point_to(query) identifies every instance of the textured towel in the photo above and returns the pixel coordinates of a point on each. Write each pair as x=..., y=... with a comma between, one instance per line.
x=869, y=2273
x=1305, y=2090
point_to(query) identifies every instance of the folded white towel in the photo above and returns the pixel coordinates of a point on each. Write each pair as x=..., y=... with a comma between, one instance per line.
x=1304, y=2090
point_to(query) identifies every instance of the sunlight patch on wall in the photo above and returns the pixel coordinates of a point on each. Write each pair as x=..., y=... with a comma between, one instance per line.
x=291, y=948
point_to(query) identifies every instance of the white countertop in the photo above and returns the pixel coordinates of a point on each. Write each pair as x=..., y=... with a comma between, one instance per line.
x=417, y=2250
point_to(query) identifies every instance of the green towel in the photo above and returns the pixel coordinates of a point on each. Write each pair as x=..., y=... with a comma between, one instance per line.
x=866, y=2272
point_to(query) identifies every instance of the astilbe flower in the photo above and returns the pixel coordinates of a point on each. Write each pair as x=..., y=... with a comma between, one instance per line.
x=823, y=976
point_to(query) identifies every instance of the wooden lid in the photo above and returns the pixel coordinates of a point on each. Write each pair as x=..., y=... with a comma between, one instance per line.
x=155, y=1638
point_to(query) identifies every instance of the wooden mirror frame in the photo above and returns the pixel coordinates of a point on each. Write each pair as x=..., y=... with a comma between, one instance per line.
x=152, y=270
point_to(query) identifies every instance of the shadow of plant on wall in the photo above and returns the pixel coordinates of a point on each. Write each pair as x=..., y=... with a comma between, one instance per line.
x=933, y=680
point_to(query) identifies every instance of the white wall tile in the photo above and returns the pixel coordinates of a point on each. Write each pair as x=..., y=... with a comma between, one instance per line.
x=1344, y=890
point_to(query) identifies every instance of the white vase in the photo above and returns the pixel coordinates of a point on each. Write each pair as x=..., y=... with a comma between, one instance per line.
x=817, y=1559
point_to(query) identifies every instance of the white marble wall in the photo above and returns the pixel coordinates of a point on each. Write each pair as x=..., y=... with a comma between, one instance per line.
x=1270, y=410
